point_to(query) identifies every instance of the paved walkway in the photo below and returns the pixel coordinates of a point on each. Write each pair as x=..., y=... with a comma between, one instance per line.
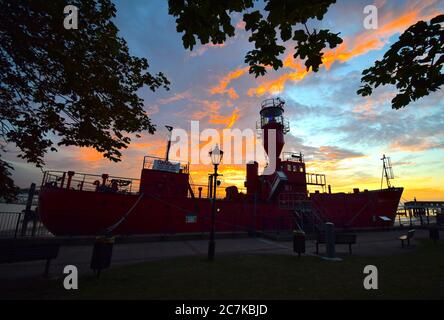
x=368, y=244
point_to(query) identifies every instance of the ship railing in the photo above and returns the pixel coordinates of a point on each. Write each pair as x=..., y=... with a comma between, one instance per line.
x=293, y=157
x=158, y=163
x=204, y=192
x=90, y=182
x=316, y=179
x=277, y=119
x=272, y=102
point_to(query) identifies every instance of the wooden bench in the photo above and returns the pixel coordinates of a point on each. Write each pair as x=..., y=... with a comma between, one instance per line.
x=21, y=250
x=407, y=237
x=340, y=238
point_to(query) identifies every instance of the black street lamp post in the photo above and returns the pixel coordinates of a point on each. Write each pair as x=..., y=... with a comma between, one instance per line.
x=216, y=157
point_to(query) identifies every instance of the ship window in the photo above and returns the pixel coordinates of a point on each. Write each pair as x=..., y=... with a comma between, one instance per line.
x=295, y=169
x=288, y=167
x=301, y=169
x=191, y=218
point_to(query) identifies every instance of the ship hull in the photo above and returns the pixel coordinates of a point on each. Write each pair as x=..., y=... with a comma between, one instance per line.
x=74, y=212
x=366, y=209
x=71, y=212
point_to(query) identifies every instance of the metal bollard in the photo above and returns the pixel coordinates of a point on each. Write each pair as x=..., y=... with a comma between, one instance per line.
x=330, y=239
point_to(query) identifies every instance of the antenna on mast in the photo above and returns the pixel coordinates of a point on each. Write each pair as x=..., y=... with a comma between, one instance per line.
x=169, y=128
x=387, y=171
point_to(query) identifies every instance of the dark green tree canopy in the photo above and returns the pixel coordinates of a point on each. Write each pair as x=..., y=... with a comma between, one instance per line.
x=8, y=189
x=414, y=64
x=76, y=87
x=210, y=21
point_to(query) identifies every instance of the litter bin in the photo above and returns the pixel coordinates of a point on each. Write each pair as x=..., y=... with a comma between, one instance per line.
x=102, y=253
x=434, y=234
x=440, y=218
x=299, y=242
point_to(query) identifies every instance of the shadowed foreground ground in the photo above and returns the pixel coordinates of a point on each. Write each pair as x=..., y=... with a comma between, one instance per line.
x=416, y=274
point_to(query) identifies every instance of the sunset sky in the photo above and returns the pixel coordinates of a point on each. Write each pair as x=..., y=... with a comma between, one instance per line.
x=341, y=134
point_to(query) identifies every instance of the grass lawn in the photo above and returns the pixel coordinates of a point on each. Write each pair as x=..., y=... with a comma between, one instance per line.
x=416, y=274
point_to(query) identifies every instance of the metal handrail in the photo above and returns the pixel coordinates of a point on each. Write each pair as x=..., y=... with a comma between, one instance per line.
x=297, y=157
x=273, y=102
x=12, y=222
x=89, y=182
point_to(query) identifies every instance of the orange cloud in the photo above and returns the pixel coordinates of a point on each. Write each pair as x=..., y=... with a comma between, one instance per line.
x=202, y=49
x=176, y=97
x=374, y=39
x=277, y=85
x=89, y=155
x=221, y=88
x=229, y=120
x=338, y=154
x=232, y=93
x=350, y=48
x=154, y=108
x=210, y=108
x=153, y=147
x=368, y=108
x=413, y=147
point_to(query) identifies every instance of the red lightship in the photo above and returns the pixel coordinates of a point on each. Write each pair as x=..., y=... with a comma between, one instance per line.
x=165, y=201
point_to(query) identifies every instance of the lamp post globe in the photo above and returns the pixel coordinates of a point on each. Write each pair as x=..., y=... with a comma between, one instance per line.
x=216, y=155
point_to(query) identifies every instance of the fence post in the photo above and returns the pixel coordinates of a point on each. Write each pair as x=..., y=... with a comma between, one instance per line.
x=17, y=225
x=28, y=212
x=34, y=222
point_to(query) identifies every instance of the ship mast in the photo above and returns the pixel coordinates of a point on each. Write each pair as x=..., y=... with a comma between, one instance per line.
x=169, y=128
x=387, y=171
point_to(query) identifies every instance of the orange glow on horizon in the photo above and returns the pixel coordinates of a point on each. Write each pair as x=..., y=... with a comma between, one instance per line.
x=89, y=154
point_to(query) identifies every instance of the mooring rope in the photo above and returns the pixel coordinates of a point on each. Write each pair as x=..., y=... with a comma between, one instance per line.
x=110, y=229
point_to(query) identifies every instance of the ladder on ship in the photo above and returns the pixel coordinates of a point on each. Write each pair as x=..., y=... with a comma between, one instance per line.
x=306, y=216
